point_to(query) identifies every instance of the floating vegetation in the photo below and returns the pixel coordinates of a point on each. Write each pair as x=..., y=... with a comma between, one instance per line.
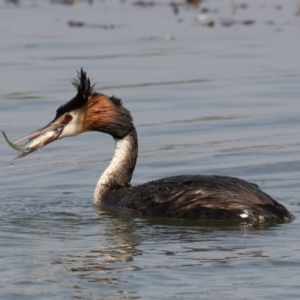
x=144, y=3
x=100, y=26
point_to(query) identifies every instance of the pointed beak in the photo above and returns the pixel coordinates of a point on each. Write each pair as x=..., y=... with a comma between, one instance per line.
x=37, y=139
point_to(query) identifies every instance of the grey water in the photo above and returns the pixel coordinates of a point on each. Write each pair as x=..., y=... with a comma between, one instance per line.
x=214, y=88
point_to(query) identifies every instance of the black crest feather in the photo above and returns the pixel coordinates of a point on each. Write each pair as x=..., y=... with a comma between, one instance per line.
x=84, y=90
x=116, y=101
x=83, y=84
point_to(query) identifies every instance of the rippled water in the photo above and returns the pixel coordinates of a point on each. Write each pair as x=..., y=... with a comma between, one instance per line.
x=219, y=99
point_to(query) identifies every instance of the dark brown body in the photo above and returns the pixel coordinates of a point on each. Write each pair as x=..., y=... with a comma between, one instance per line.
x=199, y=197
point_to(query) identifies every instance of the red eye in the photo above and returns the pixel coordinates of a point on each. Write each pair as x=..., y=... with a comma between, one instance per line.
x=68, y=118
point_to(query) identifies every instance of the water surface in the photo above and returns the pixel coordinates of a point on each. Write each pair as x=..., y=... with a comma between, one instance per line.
x=211, y=99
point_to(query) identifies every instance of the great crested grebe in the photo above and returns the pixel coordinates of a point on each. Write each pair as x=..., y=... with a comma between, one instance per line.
x=186, y=196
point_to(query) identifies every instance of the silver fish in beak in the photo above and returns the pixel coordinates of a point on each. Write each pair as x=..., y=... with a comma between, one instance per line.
x=36, y=140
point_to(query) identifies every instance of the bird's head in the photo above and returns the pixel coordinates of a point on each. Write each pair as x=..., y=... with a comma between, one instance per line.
x=87, y=111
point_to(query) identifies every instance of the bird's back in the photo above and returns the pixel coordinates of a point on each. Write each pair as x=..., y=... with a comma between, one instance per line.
x=199, y=197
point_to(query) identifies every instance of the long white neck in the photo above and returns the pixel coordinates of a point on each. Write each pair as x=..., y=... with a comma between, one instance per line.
x=119, y=172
